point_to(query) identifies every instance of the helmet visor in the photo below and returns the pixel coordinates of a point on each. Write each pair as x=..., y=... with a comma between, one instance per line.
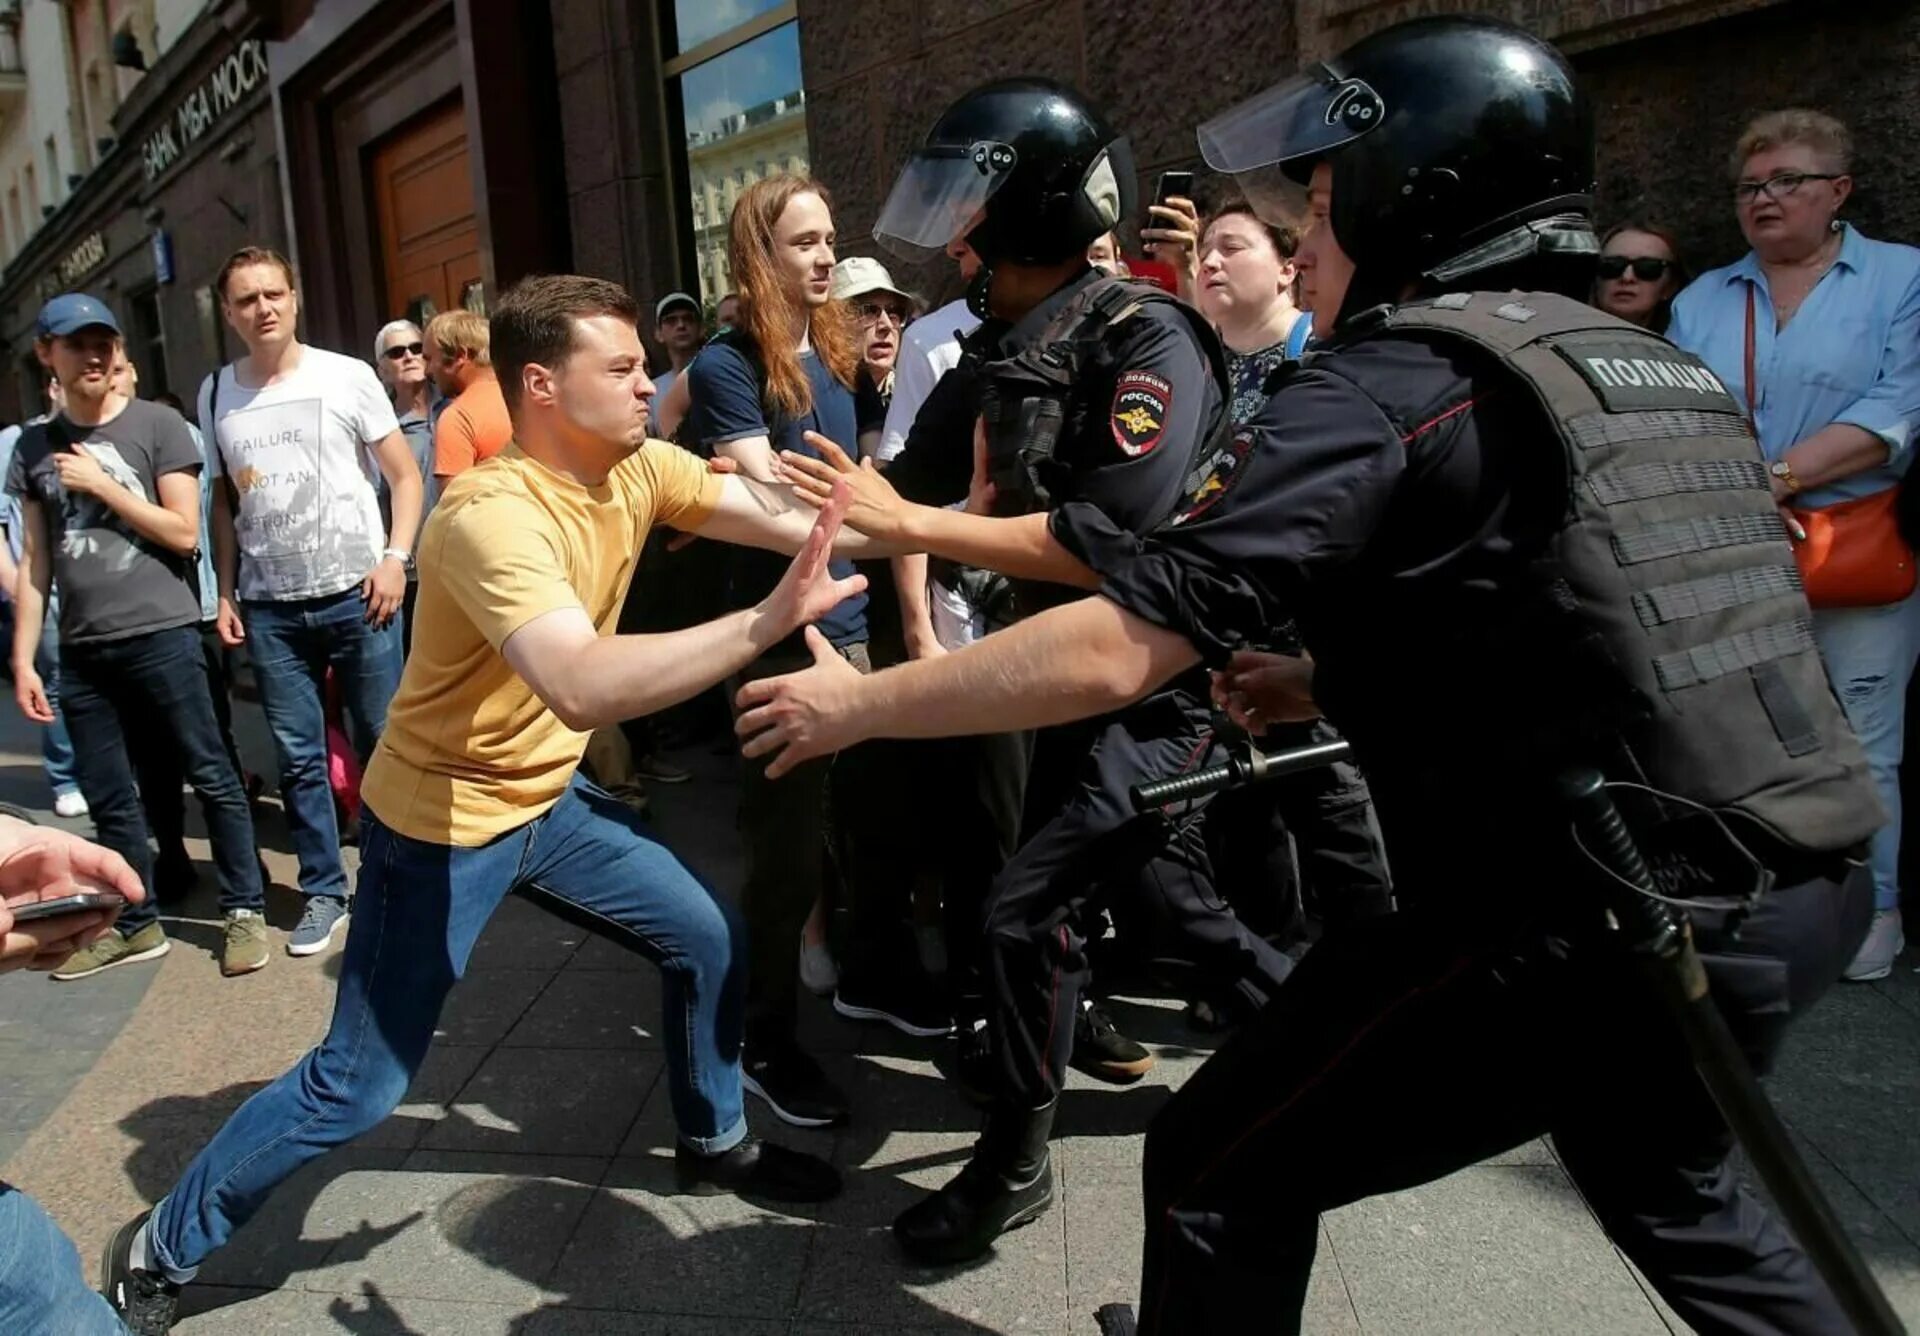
x=1294, y=122
x=938, y=196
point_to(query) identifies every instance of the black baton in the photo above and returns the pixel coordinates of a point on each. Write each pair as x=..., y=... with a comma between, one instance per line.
x=1662, y=940
x=1249, y=767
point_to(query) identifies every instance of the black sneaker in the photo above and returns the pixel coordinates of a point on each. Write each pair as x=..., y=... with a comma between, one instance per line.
x=1102, y=1052
x=145, y=1302
x=756, y=1171
x=911, y=1006
x=794, y=1087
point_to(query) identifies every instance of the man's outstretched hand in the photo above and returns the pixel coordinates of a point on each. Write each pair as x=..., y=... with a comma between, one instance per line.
x=808, y=591
x=876, y=509
x=806, y=714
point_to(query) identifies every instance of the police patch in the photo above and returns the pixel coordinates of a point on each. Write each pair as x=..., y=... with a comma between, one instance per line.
x=1140, y=405
x=1641, y=374
x=1209, y=483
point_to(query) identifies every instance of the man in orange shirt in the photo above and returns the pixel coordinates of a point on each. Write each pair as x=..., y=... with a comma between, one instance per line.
x=474, y=426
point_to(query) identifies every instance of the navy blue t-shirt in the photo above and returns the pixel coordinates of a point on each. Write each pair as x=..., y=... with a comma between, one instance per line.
x=728, y=391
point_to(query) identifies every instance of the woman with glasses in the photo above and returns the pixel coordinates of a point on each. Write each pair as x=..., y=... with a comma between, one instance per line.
x=400, y=358
x=1817, y=331
x=1638, y=275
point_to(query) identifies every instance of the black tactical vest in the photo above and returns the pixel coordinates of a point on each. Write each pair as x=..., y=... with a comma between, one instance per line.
x=1672, y=557
x=1033, y=401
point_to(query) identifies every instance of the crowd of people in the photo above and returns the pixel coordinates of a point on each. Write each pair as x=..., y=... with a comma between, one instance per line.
x=425, y=563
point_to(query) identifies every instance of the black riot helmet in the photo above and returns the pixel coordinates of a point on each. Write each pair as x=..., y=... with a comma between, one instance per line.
x=1459, y=147
x=1032, y=158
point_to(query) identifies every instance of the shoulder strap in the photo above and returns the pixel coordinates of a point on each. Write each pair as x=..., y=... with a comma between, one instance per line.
x=1299, y=336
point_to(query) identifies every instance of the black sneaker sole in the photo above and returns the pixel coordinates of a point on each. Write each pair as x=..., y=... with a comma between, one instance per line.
x=853, y=1011
x=753, y=1087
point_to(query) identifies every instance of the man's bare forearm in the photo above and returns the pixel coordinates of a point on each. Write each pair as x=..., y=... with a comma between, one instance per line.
x=31, y=589
x=169, y=528
x=226, y=543
x=910, y=588
x=1070, y=662
x=1020, y=546
x=625, y=677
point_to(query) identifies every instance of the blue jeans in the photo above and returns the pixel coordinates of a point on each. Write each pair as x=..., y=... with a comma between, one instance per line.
x=1869, y=653
x=42, y=1288
x=117, y=689
x=416, y=916
x=56, y=748
x=292, y=644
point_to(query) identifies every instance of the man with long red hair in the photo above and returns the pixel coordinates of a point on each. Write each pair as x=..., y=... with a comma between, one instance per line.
x=785, y=368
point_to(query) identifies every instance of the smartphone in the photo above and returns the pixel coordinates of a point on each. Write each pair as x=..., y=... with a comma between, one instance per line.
x=86, y=903
x=1171, y=184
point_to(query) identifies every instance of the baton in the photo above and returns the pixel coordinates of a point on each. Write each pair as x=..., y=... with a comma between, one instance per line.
x=1663, y=942
x=1248, y=767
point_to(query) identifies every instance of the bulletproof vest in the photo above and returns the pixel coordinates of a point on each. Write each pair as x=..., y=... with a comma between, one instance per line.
x=1672, y=559
x=1032, y=401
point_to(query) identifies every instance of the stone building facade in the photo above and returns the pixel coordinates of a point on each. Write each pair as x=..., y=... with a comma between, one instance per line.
x=1672, y=83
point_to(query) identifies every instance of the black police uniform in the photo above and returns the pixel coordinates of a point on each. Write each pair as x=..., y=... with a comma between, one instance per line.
x=1135, y=425
x=1393, y=497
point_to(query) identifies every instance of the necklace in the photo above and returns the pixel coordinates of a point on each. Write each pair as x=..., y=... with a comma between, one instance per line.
x=1787, y=297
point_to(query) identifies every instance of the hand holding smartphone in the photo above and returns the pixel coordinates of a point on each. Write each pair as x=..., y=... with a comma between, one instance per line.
x=87, y=902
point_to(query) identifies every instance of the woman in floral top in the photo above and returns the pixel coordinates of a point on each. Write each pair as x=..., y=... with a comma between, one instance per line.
x=1246, y=290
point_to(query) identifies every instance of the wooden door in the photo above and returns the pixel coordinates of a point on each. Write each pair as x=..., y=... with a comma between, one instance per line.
x=423, y=197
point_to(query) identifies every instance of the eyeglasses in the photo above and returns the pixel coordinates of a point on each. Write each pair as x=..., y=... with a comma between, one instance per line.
x=1778, y=186
x=1646, y=268
x=872, y=311
x=395, y=351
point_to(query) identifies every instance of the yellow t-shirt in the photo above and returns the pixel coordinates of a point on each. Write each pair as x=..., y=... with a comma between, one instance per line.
x=469, y=752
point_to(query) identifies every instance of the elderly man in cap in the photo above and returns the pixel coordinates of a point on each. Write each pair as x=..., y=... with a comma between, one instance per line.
x=883, y=310
x=110, y=489
x=679, y=326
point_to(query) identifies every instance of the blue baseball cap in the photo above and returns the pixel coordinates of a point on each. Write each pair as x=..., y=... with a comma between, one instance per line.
x=71, y=312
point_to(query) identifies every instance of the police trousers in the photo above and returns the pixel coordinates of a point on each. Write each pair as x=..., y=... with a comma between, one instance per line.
x=1409, y=1046
x=1083, y=845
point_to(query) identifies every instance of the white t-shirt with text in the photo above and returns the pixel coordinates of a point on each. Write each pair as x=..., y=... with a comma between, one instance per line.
x=309, y=521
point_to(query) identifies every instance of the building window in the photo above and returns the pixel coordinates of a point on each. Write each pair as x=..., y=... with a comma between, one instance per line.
x=147, y=341
x=52, y=154
x=742, y=108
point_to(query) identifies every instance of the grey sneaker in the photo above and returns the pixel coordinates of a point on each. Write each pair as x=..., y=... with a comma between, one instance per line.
x=112, y=949
x=245, y=948
x=314, y=933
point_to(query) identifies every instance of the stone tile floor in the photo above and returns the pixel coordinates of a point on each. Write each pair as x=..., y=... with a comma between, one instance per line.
x=523, y=1186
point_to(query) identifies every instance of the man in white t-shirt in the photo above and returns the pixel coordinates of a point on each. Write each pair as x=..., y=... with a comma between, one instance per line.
x=933, y=616
x=310, y=579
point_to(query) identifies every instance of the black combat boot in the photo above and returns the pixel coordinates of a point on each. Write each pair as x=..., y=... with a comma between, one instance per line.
x=1007, y=1182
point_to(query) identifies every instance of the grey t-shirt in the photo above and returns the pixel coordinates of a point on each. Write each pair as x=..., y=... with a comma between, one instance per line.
x=113, y=583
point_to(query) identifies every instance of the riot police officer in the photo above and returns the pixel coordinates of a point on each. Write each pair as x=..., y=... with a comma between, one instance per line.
x=1097, y=398
x=1518, y=537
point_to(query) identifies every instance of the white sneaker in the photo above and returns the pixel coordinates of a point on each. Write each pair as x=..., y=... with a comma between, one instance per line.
x=70, y=804
x=1885, y=940
x=818, y=974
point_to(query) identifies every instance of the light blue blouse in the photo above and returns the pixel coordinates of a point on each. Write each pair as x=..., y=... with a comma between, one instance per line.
x=1850, y=354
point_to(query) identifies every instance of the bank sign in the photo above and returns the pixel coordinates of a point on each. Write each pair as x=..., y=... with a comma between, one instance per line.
x=244, y=70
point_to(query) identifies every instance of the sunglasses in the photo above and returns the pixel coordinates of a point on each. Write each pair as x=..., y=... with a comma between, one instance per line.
x=397, y=351
x=1646, y=268
x=872, y=311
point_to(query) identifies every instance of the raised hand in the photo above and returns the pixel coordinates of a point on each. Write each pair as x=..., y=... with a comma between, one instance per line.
x=874, y=508
x=801, y=715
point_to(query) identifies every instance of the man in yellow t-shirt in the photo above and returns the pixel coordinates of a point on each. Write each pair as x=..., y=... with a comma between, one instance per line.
x=472, y=792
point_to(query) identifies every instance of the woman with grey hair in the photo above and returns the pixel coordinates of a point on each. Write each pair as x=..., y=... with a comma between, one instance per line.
x=399, y=355
x=1816, y=330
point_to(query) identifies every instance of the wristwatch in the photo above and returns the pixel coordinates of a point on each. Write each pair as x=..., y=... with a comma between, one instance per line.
x=1782, y=470
x=405, y=558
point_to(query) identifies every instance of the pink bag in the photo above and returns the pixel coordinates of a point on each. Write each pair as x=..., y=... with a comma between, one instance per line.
x=343, y=767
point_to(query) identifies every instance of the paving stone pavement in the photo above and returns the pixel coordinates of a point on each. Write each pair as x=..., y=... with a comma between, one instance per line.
x=524, y=1185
